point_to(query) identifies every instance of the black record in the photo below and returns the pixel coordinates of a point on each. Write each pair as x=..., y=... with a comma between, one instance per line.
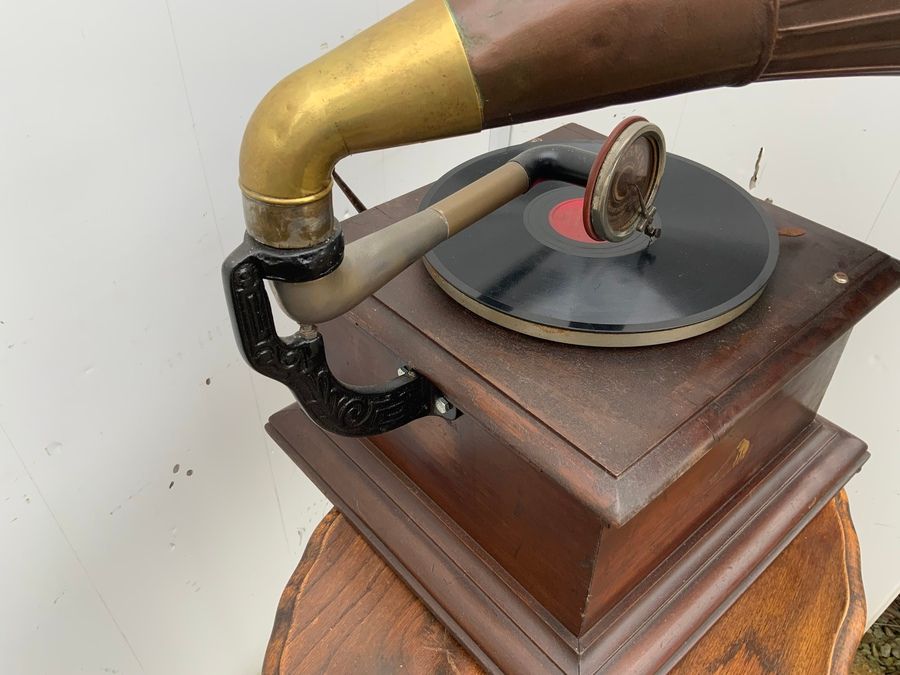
x=530, y=267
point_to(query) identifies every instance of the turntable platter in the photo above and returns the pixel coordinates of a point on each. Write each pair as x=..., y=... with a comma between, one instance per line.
x=530, y=267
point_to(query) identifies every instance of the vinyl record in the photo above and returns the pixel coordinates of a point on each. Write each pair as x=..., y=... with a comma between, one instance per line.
x=531, y=267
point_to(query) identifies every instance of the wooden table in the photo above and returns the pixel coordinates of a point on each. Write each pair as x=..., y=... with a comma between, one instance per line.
x=345, y=611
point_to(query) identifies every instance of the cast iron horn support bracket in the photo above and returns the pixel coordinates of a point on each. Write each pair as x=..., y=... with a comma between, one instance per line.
x=299, y=361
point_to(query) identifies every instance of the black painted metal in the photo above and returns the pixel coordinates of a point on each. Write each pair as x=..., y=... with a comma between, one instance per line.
x=294, y=265
x=300, y=362
x=557, y=162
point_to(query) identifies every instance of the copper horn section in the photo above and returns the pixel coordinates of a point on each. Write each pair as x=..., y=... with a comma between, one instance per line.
x=439, y=68
x=537, y=58
x=835, y=37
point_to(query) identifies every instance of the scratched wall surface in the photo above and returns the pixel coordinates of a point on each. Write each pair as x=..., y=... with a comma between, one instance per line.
x=147, y=525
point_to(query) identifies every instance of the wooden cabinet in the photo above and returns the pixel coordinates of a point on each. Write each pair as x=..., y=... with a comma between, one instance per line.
x=595, y=509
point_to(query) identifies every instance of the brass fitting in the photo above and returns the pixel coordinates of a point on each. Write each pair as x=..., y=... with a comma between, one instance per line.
x=405, y=79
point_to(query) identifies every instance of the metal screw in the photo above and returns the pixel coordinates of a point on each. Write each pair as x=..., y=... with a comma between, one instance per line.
x=442, y=405
x=653, y=232
x=840, y=277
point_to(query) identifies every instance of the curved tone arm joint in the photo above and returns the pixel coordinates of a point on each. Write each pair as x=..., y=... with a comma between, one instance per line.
x=374, y=260
x=557, y=162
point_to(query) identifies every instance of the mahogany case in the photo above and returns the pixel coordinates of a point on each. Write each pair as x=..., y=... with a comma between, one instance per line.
x=594, y=509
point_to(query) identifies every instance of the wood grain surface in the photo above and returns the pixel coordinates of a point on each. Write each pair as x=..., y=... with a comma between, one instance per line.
x=501, y=625
x=565, y=455
x=615, y=427
x=555, y=523
x=805, y=614
x=345, y=611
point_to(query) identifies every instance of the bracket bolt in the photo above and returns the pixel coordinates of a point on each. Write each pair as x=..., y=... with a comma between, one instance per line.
x=442, y=405
x=840, y=277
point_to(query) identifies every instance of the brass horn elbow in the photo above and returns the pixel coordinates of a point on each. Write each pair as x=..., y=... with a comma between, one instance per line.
x=405, y=79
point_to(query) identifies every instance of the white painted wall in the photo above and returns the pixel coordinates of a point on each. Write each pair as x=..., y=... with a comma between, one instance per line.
x=120, y=124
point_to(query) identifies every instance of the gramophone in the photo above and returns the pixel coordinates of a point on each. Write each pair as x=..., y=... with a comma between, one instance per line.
x=586, y=420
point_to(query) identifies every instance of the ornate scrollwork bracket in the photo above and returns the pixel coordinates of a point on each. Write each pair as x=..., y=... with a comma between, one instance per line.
x=299, y=361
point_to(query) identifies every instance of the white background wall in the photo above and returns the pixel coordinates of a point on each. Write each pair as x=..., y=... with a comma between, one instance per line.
x=120, y=123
